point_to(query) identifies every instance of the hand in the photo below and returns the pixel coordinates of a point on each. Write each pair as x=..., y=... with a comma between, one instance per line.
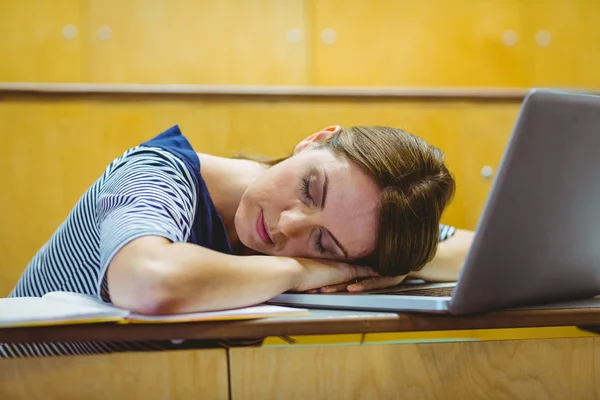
x=324, y=273
x=378, y=282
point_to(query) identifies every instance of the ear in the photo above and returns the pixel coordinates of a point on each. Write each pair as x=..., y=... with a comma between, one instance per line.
x=324, y=134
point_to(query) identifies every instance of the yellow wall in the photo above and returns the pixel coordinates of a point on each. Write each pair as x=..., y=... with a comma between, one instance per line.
x=152, y=41
x=296, y=42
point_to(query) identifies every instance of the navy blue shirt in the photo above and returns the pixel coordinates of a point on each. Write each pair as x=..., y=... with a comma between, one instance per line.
x=208, y=229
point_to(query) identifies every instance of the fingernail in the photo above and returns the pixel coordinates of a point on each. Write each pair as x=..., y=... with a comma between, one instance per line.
x=352, y=288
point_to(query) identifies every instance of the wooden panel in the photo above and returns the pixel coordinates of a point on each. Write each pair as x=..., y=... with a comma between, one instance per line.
x=562, y=38
x=532, y=369
x=160, y=375
x=52, y=151
x=478, y=334
x=478, y=144
x=182, y=41
x=312, y=340
x=407, y=43
x=33, y=47
x=319, y=322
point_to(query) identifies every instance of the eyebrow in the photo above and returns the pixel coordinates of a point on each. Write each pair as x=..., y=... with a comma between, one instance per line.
x=339, y=245
x=323, y=198
x=325, y=186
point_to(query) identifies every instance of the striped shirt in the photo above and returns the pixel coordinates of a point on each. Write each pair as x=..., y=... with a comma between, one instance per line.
x=152, y=189
x=446, y=231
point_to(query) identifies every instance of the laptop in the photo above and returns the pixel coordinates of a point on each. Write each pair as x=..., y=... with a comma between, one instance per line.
x=537, y=242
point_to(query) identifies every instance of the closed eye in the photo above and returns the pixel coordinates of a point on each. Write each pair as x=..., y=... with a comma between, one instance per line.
x=306, y=191
x=319, y=243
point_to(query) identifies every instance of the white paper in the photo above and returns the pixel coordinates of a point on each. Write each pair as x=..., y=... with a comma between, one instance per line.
x=61, y=307
x=259, y=311
x=34, y=310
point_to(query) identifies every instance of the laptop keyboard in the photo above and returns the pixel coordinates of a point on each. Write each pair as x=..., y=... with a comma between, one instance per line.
x=431, y=292
x=404, y=289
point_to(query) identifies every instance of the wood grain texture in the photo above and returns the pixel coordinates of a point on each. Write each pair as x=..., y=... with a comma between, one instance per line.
x=161, y=375
x=479, y=334
x=319, y=322
x=284, y=91
x=525, y=369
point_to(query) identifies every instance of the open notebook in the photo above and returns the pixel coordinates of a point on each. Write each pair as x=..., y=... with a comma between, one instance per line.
x=65, y=308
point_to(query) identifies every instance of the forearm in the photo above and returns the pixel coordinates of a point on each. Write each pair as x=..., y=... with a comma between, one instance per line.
x=186, y=278
x=449, y=259
x=208, y=280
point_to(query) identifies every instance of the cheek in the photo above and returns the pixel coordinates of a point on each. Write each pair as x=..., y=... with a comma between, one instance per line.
x=279, y=188
x=294, y=248
x=283, y=173
x=267, y=194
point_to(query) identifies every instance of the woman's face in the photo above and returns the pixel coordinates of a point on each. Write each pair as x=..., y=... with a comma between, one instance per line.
x=315, y=205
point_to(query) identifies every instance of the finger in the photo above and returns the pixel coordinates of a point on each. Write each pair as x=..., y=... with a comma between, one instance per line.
x=375, y=283
x=340, y=287
x=367, y=284
x=312, y=291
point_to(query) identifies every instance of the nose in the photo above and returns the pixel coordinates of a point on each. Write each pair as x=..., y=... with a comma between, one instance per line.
x=294, y=223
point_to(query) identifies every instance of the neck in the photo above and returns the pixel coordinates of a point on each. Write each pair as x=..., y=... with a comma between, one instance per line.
x=227, y=179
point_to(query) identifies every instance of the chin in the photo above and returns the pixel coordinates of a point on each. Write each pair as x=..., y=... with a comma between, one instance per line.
x=268, y=253
x=245, y=233
x=240, y=229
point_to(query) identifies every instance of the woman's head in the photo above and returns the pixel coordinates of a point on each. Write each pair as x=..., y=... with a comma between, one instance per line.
x=370, y=195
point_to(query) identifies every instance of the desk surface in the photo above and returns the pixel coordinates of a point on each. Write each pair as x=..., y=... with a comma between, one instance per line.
x=319, y=322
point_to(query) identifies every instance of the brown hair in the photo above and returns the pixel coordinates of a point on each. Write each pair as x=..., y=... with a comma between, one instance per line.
x=416, y=188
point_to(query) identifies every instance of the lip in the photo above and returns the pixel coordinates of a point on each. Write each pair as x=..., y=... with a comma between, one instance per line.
x=261, y=228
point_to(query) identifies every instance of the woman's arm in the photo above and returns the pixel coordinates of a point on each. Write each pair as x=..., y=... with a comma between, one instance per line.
x=151, y=275
x=145, y=211
x=449, y=259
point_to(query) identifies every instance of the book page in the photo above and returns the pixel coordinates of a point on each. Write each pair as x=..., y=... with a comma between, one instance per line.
x=259, y=311
x=36, y=311
x=83, y=300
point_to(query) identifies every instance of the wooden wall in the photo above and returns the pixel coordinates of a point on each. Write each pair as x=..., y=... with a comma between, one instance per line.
x=295, y=42
x=52, y=147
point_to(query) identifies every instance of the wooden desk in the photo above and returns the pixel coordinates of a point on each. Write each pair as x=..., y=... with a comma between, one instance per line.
x=320, y=322
x=511, y=369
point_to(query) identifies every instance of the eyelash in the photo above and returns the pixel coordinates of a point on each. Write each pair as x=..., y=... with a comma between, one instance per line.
x=318, y=244
x=306, y=193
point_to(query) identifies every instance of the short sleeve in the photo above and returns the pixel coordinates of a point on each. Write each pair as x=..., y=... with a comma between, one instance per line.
x=149, y=193
x=446, y=231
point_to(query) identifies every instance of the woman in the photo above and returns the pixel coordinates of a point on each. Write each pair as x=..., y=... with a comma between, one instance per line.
x=156, y=236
